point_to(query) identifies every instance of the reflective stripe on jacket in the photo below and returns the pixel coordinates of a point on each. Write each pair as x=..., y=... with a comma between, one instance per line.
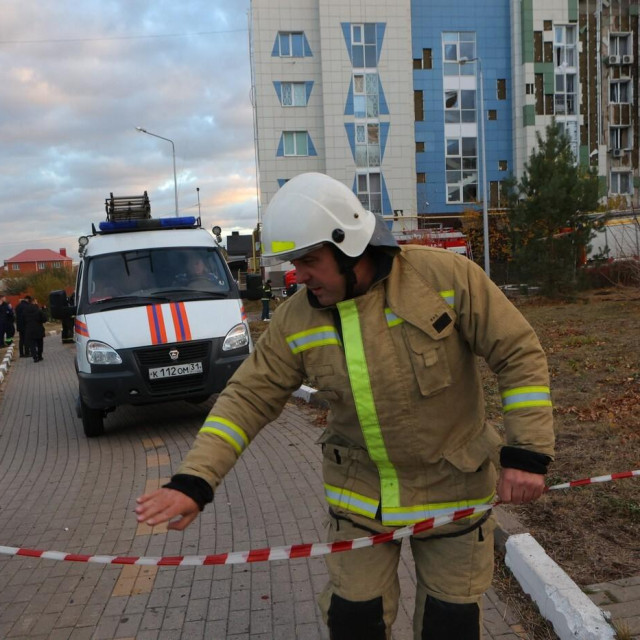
x=406, y=433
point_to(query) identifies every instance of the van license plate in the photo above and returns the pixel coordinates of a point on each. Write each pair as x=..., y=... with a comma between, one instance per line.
x=175, y=370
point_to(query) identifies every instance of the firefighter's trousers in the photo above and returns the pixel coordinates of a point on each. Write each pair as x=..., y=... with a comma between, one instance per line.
x=453, y=570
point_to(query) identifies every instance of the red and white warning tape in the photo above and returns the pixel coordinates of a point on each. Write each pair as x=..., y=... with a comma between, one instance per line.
x=296, y=550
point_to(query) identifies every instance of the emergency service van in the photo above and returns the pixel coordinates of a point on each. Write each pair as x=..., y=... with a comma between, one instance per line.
x=158, y=315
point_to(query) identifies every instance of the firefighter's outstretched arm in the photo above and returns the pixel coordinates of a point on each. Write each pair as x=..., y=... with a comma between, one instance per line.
x=164, y=505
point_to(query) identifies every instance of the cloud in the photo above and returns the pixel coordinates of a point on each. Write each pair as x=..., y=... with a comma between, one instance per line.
x=75, y=89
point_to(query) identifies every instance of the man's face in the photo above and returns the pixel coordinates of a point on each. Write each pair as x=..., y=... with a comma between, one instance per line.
x=318, y=270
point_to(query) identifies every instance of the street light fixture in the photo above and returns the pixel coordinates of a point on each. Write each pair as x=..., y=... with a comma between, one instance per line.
x=173, y=148
x=485, y=210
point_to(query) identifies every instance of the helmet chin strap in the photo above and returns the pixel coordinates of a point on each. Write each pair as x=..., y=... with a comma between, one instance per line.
x=346, y=266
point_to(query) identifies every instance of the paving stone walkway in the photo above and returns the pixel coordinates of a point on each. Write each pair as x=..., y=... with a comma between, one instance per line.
x=64, y=492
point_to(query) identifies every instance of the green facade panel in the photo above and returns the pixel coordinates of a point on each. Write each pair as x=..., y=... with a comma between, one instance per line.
x=529, y=115
x=548, y=71
x=573, y=10
x=527, y=30
x=584, y=155
x=602, y=186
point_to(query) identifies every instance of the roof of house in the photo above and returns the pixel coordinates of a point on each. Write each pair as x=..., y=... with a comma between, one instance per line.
x=38, y=255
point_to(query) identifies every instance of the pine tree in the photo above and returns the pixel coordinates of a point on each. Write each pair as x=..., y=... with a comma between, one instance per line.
x=548, y=214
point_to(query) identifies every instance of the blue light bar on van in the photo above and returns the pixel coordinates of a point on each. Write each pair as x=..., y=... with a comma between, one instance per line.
x=148, y=224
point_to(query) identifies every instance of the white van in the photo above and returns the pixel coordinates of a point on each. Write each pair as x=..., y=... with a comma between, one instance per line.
x=158, y=317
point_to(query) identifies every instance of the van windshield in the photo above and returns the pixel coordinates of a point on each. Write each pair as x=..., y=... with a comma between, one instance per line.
x=171, y=273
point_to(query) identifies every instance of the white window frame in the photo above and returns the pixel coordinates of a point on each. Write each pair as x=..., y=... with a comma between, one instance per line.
x=288, y=36
x=620, y=44
x=360, y=29
x=467, y=175
x=619, y=137
x=615, y=88
x=615, y=179
x=15, y=266
x=292, y=92
x=367, y=143
x=457, y=45
x=367, y=197
x=293, y=136
x=565, y=52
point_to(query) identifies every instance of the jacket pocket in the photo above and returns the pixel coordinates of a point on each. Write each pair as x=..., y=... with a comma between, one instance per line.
x=470, y=456
x=430, y=365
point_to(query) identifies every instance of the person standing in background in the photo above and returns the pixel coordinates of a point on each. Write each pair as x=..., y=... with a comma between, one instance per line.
x=6, y=322
x=34, y=318
x=20, y=326
x=267, y=294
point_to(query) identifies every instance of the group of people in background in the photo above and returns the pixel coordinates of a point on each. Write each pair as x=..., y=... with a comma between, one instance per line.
x=28, y=318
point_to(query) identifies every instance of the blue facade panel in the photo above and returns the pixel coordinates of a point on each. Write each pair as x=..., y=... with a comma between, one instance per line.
x=490, y=21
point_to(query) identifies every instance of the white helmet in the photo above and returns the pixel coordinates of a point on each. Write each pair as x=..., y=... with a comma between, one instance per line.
x=313, y=209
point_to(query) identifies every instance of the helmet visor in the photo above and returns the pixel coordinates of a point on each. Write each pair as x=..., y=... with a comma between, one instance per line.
x=272, y=259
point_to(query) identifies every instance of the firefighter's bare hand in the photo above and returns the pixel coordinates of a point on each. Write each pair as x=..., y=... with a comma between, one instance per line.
x=519, y=487
x=164, y=505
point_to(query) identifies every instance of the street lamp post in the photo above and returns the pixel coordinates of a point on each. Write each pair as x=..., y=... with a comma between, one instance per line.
x=485, y=209
x=173, y=148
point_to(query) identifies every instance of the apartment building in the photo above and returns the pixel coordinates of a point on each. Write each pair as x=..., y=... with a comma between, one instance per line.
x=422, y=106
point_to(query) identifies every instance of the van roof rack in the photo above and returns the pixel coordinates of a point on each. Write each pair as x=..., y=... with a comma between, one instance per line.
x=120, y=208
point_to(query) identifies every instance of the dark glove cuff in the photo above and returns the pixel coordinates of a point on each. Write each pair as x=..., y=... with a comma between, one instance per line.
x=196, y=488
x=525, y=460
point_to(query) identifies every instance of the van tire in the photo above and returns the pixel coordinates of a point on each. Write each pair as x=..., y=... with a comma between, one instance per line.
x=92, y=420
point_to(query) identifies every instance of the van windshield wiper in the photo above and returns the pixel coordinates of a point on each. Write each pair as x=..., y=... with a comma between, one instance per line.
x=131, y=300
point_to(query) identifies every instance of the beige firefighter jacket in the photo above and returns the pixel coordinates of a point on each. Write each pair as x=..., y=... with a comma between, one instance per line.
x=406, y=431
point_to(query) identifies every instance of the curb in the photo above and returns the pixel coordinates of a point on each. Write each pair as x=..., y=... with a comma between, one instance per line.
x=6, y=363
x=559, y=599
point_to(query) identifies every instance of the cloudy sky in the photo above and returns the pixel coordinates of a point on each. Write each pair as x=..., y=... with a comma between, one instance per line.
x=76, y=78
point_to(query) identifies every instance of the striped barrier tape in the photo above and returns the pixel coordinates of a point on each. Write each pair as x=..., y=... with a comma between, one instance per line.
x=296, y=550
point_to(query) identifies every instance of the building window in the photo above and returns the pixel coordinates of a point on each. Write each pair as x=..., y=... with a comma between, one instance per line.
x=619, y=137
x=620, y=44
x=366, y=95
x=621, y=182
x=460, y=105
x=530, y=88
x=492, y=114
x=419, y=147
x=56, y=265
x=295, y=143
x=370, y=191
x=501, y=88
x=41, y=266
x=565, y=98
x=503, y=165
x=418, y=106
x=291, y=44
x=367, y=145
x=619, y=91
x=363, y=46
x=293, y=94
x=421, y=178
x=461, y=170
x=15, y=266
x=457, y=46
x=547, y=25
x=564, y=46
x=427, y=62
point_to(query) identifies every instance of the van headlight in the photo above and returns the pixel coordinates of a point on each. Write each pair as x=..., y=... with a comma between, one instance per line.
x=101, y=353
x=237, y=338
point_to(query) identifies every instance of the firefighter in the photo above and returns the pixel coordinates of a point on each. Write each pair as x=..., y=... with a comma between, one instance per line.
x=389, y=335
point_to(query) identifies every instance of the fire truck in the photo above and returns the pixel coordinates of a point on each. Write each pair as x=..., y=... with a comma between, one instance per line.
x=437, y=235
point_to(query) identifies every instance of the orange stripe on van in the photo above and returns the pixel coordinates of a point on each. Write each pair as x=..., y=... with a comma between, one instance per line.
x=156, y=324
x=180, y=321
